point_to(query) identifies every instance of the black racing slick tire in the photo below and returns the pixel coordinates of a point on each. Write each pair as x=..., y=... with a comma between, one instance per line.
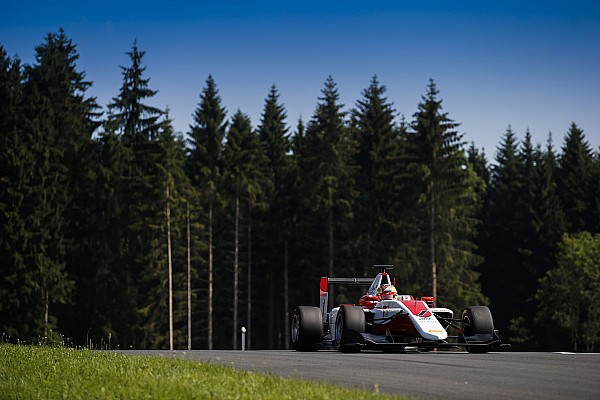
x=307, y=328
x=477, y=320
x=349, y=324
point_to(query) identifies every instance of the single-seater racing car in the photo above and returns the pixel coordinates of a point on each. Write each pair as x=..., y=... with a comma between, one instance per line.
x=384, y=319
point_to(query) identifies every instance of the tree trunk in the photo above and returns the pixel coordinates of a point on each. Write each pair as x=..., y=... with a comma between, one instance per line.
x=286, y=297
x=189, y=279
x=432, y=244
x=236, y=271
x=330, y=243
x=271, y=320
x=170, y=271
x=46, y=312
x=210, y=275
x=249, y=300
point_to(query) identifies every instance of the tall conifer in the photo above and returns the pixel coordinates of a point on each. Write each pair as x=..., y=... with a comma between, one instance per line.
x=328, y=178
x=502, y=224
x=478, y=162
x=16, y=159
x=377, y=160
x=205, y=168
x=168, y=295
x=107, y=306
x=244, y=168
x=59, y=122
x=137, y=125
x=136, y=120
x=445, y=205
x=274, y=137
x=575, y=180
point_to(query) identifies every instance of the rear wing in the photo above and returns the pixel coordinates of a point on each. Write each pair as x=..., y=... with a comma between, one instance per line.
x=324, y=290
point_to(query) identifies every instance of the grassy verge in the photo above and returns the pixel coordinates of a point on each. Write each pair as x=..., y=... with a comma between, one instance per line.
x=32, y=372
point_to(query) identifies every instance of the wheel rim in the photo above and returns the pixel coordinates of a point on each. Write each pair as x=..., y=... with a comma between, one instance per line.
x=339, y=329
x=466, y=325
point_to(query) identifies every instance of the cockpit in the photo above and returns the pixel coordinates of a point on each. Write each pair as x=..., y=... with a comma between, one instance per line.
x=382, y=278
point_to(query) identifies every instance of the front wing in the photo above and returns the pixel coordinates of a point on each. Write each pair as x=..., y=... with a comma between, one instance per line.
x=382, y=342
x=360, y=340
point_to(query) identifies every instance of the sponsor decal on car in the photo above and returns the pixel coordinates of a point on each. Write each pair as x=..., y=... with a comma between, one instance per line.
x=424, y=313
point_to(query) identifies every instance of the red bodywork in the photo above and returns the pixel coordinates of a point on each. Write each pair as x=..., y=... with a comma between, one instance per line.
x=400, y=323
x=368, y=301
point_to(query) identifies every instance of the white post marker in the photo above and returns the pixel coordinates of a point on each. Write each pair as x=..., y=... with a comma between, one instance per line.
x=243, y=338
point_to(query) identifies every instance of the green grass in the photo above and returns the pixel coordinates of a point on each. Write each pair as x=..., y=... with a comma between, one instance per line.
x=36, y=372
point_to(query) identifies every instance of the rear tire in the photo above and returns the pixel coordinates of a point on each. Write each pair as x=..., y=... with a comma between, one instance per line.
x=349, y=324
x=477, y=320
x=307, y=328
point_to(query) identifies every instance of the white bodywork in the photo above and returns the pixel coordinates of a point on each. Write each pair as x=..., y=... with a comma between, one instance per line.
x=428, y=327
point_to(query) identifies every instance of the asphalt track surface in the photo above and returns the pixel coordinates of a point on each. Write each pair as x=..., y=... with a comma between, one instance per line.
x=434, y=375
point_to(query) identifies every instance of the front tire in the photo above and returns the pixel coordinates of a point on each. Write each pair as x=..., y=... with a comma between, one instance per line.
x=307, y=328
x=477, y=320
x=349, y=324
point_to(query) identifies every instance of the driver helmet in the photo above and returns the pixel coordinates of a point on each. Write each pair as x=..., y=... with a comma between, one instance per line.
x=388, y=292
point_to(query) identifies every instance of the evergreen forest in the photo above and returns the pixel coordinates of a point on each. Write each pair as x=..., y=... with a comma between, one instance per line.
x=116, y=231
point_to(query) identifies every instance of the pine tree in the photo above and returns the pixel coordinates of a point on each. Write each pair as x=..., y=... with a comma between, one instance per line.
x=543, y=218
x=551, y=220
x=595, y=194
x=526, y=258
x=57, y=127
x=205, y=167
x=298, y=140
x=478, y=162
x=169, y=296
x=306, y=235
x=137, y=122
x=106, y=301
x=524, y=225
x=137, y=126
x=328, y=178
x=445, y=204
x=274, y=137
x=15, y=162
x=549, y=224
x=245, y=162
x=500, y=234
x=575, y=181
x=525, y=204
x=377, y=161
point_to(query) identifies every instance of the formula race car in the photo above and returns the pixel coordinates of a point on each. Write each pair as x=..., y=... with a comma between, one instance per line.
x=384, y=319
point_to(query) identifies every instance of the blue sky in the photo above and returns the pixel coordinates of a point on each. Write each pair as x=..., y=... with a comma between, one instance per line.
x=531, y=64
